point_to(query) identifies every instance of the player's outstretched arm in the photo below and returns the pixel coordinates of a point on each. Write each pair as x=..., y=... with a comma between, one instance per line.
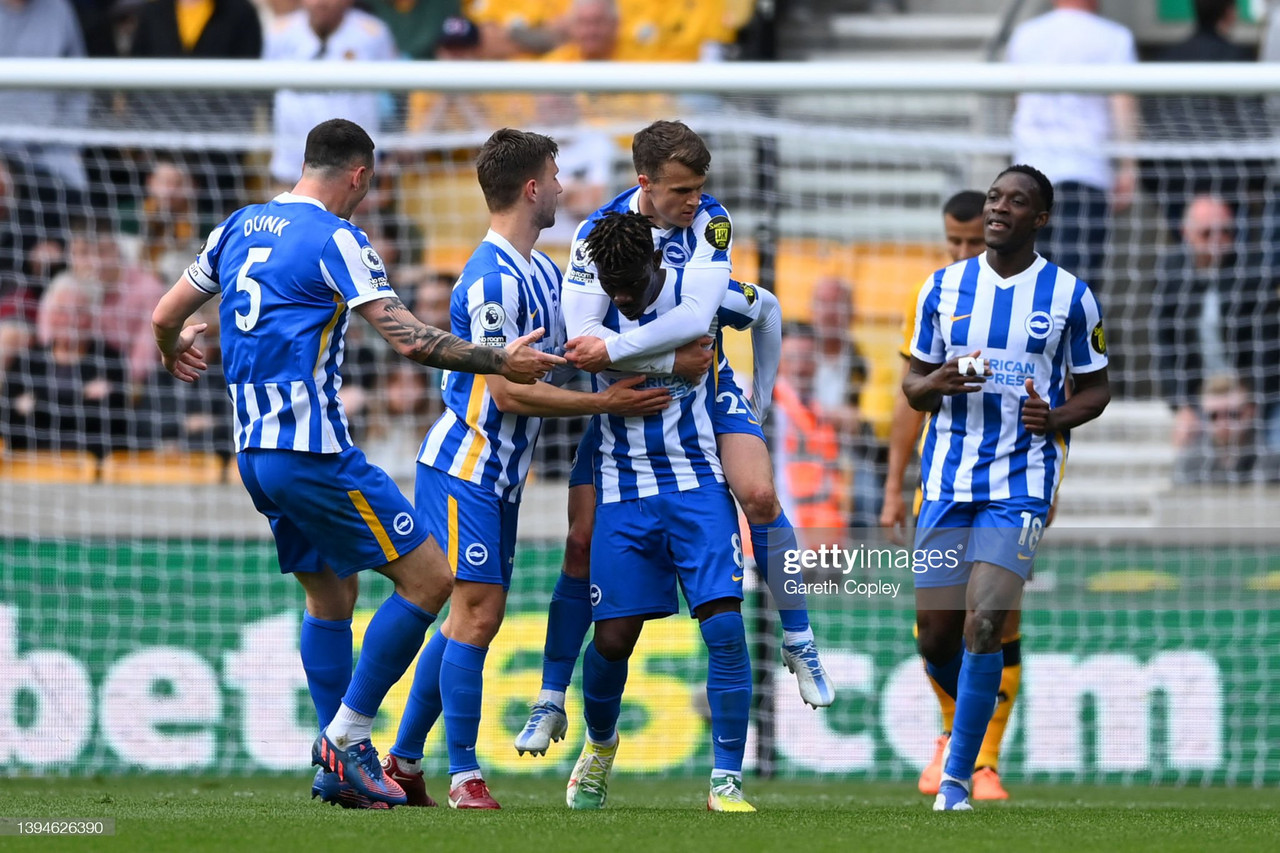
x=926, y=384
x=542, y=400
x=178, y=349
x=766, y=352
x=434, y=347
x=584, y=313
x=1090, y=394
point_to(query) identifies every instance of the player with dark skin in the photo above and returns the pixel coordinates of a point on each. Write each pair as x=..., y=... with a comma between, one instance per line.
x=633, y=291
x=975, y=614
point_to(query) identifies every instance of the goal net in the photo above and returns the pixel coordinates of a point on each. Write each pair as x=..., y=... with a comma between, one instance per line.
x=142, y=622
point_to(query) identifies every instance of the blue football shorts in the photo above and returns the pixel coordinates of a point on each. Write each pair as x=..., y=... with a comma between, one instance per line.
x=334, y=509
x=953, y=535
x=642, y=549
x=474, y=527
x=732, y=413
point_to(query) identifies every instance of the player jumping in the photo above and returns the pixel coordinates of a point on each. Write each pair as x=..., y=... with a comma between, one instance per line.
x=692, y=232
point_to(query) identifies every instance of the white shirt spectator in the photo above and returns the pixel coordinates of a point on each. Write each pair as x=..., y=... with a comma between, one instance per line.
x=1064, y=134
x=585, y=161
x=44, y=29
x=360, y=37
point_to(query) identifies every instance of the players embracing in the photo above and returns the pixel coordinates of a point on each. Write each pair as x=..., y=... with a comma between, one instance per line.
x=692, y=233
x=996, y=339
x=474, y=459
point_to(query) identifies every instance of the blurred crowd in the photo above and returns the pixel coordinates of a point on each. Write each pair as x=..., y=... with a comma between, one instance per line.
x=90, y=237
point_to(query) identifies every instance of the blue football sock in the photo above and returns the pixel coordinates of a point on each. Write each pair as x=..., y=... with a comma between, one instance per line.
x=602, y=684
x=461, y=688
x=392, y=639
x=947, y=675
x=568, y=620
x=423, y=708
x=793, y=611
x=728, y=687
x=975, y=700
x=325, y=645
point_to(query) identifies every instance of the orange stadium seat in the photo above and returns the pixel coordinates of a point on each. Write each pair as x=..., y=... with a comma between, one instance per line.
x=167, y=468
x=50, y=466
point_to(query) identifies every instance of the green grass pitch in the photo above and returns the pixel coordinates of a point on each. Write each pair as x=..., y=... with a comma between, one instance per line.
x=267, y=815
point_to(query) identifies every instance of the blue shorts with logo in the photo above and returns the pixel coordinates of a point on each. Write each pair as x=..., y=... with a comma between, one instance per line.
x=953, y=535
x=334, y=509
x=642, y=550
x=733, y=414
x=475, y=528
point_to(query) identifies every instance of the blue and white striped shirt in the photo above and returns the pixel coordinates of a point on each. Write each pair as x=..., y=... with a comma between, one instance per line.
x=499, y=297
x=1042, y=324
x=288, y=271
x=673, y=451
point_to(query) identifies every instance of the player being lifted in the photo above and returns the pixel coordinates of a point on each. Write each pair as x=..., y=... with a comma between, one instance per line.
x=663, y=517
x=473, y=461
x=692, y=232
x=963, y=229
x=288, y=272
x=989, y=332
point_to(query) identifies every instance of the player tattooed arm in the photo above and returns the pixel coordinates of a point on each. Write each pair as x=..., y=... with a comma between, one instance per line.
x=437, y=348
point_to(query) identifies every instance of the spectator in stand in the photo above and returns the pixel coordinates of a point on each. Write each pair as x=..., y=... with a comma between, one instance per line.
x=396, y=425
x=683, y=30
x=1229, y=447
x=69, y=391
x=1205, y=118
x=44, y=29
x=322, y=31
x=1215, y=311
x=195, y=417
x=202, y=29
x=518, y=29
x=32, y=248
x=97, y=26
x=165, y=226
x=586, y=163
x=416, y=24
x=1065, y=135
x=270, y=11
x=807, y=456
x=32, y=239
x=1211, y=40
x=596, y=35
x=840, y=373
x=122, y=295
x=436, y=112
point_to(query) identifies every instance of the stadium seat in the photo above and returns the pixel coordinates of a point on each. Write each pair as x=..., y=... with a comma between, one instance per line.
x=49, y=466
x=168, y=467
